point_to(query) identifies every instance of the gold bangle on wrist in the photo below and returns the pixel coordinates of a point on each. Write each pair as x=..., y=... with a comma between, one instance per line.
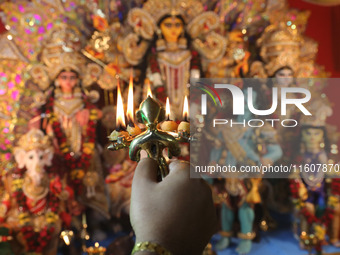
x=150, y=247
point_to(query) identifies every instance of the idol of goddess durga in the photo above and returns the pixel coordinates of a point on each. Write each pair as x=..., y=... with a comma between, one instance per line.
x=172, y=63
x=176, y=37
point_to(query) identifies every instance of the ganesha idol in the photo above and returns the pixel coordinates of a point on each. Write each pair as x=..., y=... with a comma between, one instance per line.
x=36, y=208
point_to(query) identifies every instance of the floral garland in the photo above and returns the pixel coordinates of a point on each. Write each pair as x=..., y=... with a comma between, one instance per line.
x=36, y=241
x=78, y=165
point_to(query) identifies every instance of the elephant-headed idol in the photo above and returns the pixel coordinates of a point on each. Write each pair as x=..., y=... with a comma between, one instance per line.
x=38, y=194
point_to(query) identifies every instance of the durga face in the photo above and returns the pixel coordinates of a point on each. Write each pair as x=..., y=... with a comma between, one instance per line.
x=172, y=28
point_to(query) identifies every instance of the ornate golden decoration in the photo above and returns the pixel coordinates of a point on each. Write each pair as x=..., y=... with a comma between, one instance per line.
x=188, y=9
x=212, y=48
x=203, y=23
x=35, y=191
x=143, y=24
x=65, y=109
x=100, y=41
x=61, y=52
x=9, y=50
x=93, y=73
x=39, y=74
x=39, y=222
x=34, y=139
x=175, y=58
x=280, y=46
x=68, y=106
x=134, y=52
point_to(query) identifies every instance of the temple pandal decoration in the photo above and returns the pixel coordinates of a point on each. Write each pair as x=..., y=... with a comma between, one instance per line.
x=236, y=38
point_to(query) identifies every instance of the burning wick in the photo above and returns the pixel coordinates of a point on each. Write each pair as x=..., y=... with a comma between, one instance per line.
x=167, y=108
x=130, y=106
x=149, y=94
x=184, y=126
x=120, y=120
x=185, y=109
x=131, y=128
x=168, y=125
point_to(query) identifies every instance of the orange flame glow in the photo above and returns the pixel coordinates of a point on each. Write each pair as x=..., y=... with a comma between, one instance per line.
x=185, y=108
x=129, y=112
x=149, y=89
x=167, y=109
x=120, y=120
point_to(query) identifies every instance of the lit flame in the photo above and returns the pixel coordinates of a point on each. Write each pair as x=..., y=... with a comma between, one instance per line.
x=149, y=89
x=129, y=112
x=67, y=235
x=120, y=120
x=66, y=240
x=186, y=108
x=167, y=108
x=96, y=245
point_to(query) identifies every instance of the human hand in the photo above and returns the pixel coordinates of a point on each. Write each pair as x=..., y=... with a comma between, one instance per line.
x=177, y=213
x=82, y=117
